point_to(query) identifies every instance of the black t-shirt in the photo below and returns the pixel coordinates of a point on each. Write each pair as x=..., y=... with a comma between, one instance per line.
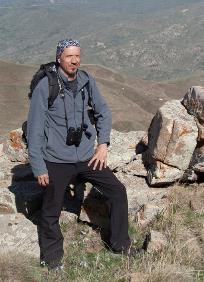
x=71, y=85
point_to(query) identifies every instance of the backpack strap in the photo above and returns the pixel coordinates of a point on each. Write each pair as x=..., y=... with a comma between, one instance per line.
x=40, y=74
x=55, y=85
x=88, y=88
x=91, y=109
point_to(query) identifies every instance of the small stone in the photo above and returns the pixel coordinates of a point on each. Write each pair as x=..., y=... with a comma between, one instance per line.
x=197, y=205
x=135, y=167
x=1, y=150
x=67, y=217
x=2, y=175
x=16, y=139
x=7, y=206
x=158, y=241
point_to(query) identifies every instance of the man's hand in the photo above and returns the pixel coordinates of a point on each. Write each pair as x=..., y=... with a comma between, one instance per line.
x=100, y=157
x=43, y=180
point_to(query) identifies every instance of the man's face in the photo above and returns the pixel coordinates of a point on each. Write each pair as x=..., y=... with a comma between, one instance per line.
x=70, y=60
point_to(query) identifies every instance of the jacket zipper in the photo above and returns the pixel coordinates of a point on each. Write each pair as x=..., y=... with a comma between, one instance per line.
x=75, y=126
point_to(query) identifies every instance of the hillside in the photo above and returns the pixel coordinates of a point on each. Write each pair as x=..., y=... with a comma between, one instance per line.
x=155, y=40
x=13, y=98
x=132, y=101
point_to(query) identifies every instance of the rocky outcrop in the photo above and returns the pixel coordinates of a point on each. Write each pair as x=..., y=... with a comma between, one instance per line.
x=172, y=147
x=20, y=195
x=175, y=141
x=172, y=138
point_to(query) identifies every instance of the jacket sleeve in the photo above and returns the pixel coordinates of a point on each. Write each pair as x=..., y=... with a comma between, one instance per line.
x=35, y=127
x=101, y=113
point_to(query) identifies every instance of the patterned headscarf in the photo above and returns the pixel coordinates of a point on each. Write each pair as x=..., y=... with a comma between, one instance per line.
x=65, y=43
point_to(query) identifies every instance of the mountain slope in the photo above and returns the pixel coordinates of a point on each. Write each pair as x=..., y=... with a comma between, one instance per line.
x=133, y=101
x=154, y=39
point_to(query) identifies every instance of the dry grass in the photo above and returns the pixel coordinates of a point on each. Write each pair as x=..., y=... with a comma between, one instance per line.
x=182, y=259
x=183, y=225
x=16, y=267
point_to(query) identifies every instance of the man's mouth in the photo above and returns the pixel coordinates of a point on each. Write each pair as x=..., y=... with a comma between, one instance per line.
x=73, y=67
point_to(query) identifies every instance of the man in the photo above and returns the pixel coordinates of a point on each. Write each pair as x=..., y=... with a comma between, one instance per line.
x=61, y=146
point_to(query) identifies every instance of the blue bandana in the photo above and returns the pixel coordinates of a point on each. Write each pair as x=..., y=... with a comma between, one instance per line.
x=65, y=43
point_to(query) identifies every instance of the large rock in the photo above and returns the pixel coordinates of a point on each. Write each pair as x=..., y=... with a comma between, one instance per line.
x=18, y=234
x=122, y=148
x=172, y=138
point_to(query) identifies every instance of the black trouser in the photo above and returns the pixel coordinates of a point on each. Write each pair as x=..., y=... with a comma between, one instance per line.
x=50, y=236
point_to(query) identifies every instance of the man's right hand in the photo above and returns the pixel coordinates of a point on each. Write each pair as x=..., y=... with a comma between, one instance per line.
x=43, y=180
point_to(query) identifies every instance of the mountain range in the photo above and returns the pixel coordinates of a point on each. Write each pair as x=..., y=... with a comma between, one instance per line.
x=154, y=39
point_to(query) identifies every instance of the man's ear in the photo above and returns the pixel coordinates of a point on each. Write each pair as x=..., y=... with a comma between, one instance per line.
x=58, y=60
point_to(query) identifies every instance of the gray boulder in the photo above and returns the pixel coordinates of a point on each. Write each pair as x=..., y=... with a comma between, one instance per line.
x=18, y=234
x=172, y=139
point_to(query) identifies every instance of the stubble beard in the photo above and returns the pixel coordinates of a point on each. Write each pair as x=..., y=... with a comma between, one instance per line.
x=70, y=75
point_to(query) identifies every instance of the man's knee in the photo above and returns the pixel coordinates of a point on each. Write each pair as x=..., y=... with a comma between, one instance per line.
x=120, y=192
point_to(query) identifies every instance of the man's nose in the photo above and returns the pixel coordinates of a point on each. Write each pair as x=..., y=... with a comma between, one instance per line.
x=74, y=60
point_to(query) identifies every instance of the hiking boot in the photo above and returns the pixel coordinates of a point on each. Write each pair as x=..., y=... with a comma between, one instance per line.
x=134, y=252
x=56, y=268
x=53, y=267
x=130, y=252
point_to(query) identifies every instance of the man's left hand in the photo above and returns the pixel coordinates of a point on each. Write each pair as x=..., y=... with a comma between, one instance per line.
x=100, y=157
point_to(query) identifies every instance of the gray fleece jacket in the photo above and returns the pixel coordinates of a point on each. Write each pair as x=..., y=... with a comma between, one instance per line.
x=47, y=129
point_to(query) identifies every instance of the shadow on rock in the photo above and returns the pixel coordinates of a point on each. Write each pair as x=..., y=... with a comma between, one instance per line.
x=96, y=213
x=28, y=194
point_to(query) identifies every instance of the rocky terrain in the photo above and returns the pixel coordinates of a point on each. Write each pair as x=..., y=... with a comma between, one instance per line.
x=20, y=194
x=148, y=164
x=138, y=160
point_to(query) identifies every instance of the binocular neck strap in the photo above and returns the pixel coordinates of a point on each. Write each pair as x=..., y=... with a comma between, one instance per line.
x=83, y=98
x=62, y=95
x=65, y=111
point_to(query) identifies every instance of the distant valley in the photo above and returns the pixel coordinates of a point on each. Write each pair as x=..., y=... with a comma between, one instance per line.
x=154, y=40
x=142, y=53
